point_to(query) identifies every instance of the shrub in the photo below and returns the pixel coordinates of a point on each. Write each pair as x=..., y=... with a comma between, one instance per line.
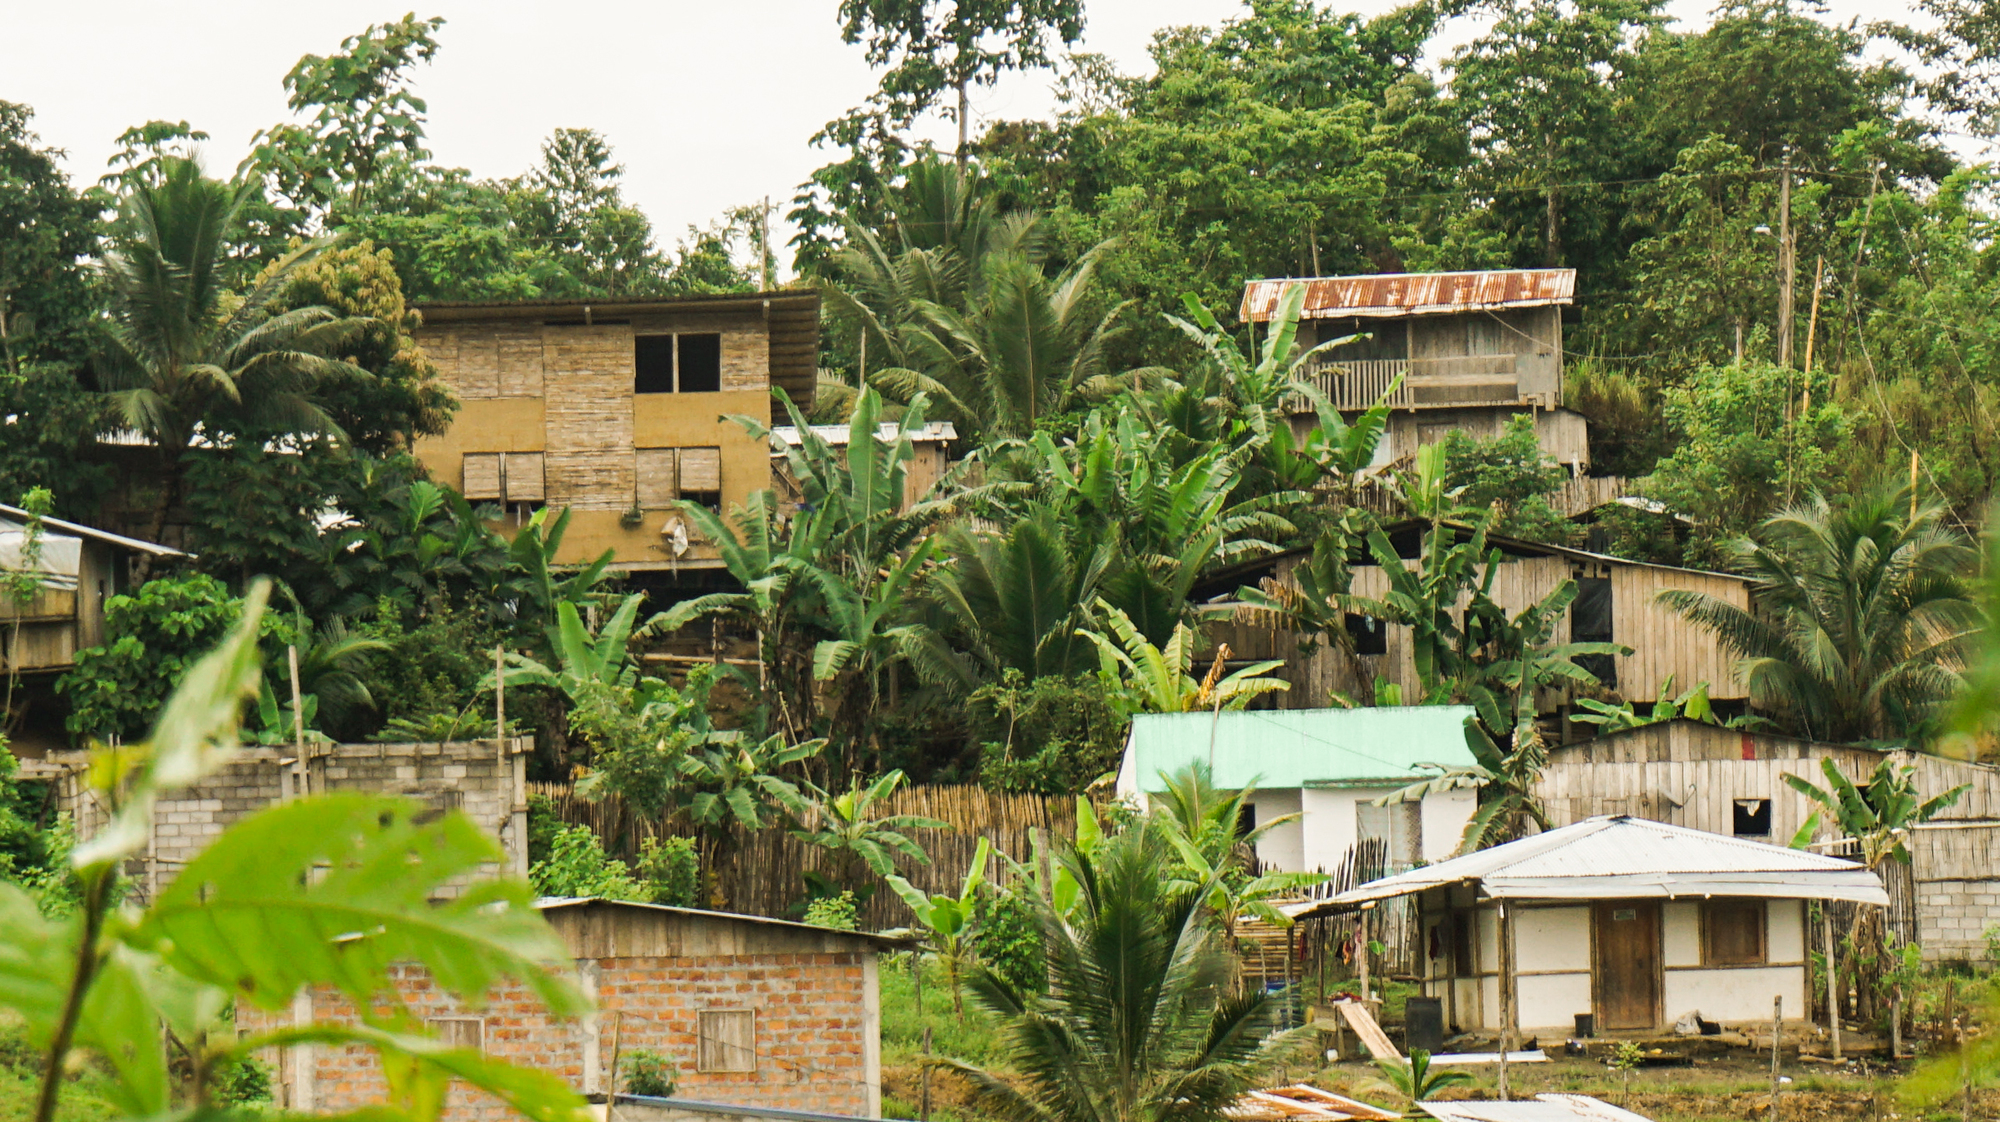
x=152, y=639
x=577, y=866
x=837, y=912
x=1054, y=736
x=1010, y=940
x=670, y=870
x=649, y=1073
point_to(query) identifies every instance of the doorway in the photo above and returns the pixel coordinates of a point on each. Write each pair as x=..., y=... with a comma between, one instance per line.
x=1625, y=935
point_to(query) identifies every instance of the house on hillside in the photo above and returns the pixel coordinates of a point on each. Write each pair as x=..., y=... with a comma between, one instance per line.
x=750, y=1011
x=1731, y=782
x=1635, y=923
x=78, y=570
x=1616, y=603
x=1327, y=766
x=1473, y=349
x=930, y=458
x=615, y=409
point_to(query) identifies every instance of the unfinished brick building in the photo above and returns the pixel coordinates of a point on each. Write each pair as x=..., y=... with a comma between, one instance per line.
x=483, y=778
x=752, y=1011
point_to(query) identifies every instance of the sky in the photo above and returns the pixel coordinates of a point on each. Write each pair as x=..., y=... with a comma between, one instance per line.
x=707, y=105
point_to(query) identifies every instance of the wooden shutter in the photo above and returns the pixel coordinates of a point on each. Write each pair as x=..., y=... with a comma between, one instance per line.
x=701, y=469
x=727, y=1041
x=482, y=476
x=468, y=1033
x=1732, y=932
x=657, y=484
x=524, y=477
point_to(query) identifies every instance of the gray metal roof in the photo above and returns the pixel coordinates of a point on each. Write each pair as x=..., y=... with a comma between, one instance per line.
x=1616, y=857
x=79, y=529
x=1543, y=1108
x=879, y=941
x=886, y=432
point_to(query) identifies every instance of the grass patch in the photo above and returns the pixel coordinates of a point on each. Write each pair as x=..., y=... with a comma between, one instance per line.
x=84, y=1095
x=974, y=1039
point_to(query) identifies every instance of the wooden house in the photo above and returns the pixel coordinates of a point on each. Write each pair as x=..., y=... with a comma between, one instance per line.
x=1728, y=781
x=1473, y=349
x=930, y=455
x=616, y=410
x=1617, y=602
x=750, y=1011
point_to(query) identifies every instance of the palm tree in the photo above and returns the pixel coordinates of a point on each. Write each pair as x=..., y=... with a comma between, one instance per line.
x=179, y=351
x=1139, y=1022
x=1016, y=598
x=846, y=824
x=1203, y=824
x=1861, y=618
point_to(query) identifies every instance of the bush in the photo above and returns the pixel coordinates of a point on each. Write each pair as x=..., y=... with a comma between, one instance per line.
x=837, y=912
x=1512, y=474
x=649, y=1073
x=152, y=639
x=1055, y=735
x=1010, y=940
x=577, y=866
x=671, y=871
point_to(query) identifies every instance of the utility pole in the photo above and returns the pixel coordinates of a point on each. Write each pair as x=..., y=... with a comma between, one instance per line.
x=1786, y=265
x=764, y=242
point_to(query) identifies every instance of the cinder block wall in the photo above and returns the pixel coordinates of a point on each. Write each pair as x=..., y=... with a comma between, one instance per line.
x=458, y=775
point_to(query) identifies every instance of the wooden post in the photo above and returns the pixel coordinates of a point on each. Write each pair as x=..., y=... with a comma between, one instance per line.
x=1361, y=951
x=1812, y=328
x=611, y=1085
x=1507, y=1012
x=1787, y=268
x=1777, y=1027
x=289, y=789
x=1832, y=983
x=924, y=1106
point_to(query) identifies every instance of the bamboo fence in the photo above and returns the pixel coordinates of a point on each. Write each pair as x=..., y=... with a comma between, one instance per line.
x=765, y=874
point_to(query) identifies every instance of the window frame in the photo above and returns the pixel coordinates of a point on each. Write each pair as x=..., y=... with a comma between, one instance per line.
x=704, y=1038
x=1712, y=912
x=674, y=369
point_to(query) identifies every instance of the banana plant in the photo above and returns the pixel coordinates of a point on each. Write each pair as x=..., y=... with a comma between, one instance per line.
x=1143, y=678
x=948, y=920
x=846, y=824
x=1879, y=813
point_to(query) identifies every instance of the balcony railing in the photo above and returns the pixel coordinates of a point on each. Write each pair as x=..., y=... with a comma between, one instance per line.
x=1427, y=382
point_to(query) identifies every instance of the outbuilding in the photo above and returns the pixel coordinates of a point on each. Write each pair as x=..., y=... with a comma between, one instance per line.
x=1326, y=766
x=1636, y=923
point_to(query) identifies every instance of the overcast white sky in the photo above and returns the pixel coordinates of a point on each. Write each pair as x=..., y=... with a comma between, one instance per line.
x=708, y=104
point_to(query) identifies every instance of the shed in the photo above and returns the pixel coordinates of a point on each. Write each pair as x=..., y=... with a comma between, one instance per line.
x=1731, y=781
x=930, y=454
x=1617, y=602
x=1325, y=765
x=80, y=568
x=1637, y=923
x=752, y=1011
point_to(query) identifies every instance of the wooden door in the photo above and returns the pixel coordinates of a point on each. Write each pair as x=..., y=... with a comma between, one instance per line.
x=1626, y=938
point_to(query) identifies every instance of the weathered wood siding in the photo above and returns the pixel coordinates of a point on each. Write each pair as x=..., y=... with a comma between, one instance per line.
x=588, y=411
x=1663, y=643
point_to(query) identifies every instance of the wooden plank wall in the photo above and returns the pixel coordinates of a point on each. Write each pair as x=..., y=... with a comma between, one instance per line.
x=588, y=413
x=1663, y=643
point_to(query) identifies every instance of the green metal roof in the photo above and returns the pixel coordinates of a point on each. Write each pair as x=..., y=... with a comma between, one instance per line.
x=1300, y=747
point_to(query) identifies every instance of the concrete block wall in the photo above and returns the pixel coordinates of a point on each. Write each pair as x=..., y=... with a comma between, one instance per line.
x=816, y=1023
x=1953, y=917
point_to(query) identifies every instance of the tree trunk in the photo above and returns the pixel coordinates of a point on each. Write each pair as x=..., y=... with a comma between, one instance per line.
x=170, y=493
x=964, y=123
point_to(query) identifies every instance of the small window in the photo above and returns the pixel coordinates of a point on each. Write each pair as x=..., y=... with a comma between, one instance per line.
x=1370, y=635
x=468, y=1033
x=653, y=364
x=1732, y=932
x=1752, y=818
x=1462, y=963
x=1246, y=820
x=700, y=363
x=1590, y=617
x=728, y=1040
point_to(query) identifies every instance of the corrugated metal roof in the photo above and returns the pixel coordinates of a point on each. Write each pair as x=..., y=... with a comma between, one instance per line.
x=836, y=435
x=79, y=529
x=1544, y=1108
x=1302, y=1102
x=1412, y=294
x=880, y=942
x=1609, y=857
x=1275, y=748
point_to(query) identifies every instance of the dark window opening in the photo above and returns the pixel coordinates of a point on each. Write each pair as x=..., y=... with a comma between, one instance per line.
x=1462, y=962
x=700, y=363
x=1370, y=635
x=653, y=364
x=1590, y=622
x=710, y=499
x=1246, y=820
x=1386, y=339
x=1752, y=818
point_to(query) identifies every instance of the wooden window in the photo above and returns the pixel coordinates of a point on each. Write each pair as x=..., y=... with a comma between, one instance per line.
x=701, y=470
x=653, y=364
x=728, y=1040
x=658, y=482
x=459, y=1032
x=482, y=476
x=1732, y=932
x=523, y=481
x=699, y=367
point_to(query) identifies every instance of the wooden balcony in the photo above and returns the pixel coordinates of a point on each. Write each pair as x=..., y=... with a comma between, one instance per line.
x=1437, y=383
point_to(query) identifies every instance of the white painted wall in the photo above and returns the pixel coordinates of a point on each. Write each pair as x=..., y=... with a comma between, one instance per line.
x=1445, y=815
x=1680, y=933
x=1735, y=996
x=1785, y=931
x=1329, y=825
x=1551, y=939
x=1550, y=1002
x=1284, y=847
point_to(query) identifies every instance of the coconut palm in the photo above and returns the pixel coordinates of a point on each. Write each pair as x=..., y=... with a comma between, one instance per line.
x=1861, y=615
x=1138, y=1022
x=1015, y=599
x=180, y=351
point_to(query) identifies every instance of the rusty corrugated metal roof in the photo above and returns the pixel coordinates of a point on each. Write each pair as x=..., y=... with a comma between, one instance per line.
x=1410, y=294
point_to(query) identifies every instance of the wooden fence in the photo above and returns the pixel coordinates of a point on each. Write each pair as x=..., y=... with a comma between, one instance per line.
x=766, y=874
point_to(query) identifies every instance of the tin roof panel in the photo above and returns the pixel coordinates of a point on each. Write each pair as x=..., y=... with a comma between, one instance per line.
x=1410, y=294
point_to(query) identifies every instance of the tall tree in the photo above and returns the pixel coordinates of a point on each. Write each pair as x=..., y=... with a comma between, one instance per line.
x=181, y=354
x=934, y=47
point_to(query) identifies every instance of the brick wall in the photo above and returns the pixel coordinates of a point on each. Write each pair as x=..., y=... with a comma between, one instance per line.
x=815, y=1019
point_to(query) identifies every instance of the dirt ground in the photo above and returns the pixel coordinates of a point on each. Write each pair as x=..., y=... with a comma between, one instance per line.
x=1724, y=1088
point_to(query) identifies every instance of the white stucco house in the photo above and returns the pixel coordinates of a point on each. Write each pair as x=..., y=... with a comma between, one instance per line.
x=1637, y=923
x=1327, y=766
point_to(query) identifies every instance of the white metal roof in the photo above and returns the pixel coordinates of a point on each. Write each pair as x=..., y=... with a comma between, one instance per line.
x=1543, y=1108
x=886, y=432
x=1615, y=857
x=17, y=516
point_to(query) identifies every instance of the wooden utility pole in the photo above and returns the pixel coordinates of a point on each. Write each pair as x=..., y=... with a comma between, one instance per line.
x=1812, y=330
x=764, y=242
x=1508, y=1012
x=1777, y=1027
x=1787, y=268
x=1832, y=983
